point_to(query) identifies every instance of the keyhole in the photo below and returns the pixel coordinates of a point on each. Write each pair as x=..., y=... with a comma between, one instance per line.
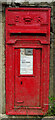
x=21, y=82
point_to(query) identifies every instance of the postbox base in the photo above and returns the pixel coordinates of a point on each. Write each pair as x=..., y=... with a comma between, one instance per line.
x=26, y=112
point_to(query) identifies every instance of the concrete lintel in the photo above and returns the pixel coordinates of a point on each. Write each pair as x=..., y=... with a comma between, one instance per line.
x=21, y=1
x=31, y=1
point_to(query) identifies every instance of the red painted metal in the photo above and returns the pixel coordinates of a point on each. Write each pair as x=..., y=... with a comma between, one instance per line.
x=27, y=28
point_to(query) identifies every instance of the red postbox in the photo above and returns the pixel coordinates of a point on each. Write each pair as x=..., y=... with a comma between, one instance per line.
x=27, y=60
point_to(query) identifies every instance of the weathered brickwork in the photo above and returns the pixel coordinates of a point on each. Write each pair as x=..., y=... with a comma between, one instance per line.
x=54, y=48
x=3, y=56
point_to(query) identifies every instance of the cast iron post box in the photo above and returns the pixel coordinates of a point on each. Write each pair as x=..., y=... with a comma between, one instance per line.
x=27, y=60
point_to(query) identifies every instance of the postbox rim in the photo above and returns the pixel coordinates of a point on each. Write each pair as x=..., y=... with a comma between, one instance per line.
x=26, y=8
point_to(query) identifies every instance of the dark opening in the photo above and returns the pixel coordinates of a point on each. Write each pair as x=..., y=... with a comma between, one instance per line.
x=28, y=34
x=21, y=82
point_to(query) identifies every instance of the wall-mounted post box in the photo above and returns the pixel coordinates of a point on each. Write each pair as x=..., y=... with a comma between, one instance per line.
x=27, y=60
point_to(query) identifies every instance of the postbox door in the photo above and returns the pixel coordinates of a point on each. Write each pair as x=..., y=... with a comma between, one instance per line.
x=27, y=77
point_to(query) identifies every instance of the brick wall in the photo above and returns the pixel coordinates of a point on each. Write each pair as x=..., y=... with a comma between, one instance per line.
x=54, y=48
